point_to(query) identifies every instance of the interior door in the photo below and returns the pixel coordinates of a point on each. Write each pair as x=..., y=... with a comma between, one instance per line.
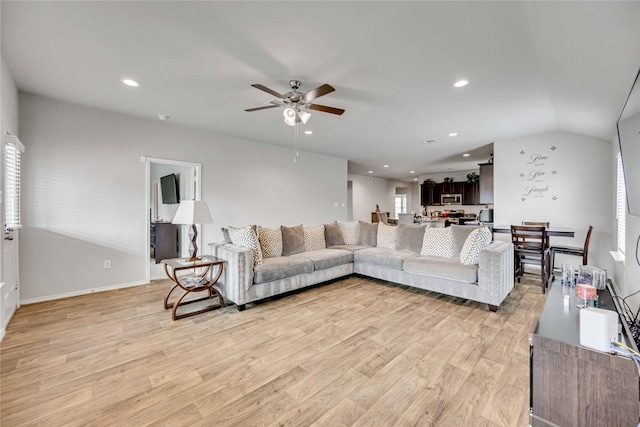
x=10, y=289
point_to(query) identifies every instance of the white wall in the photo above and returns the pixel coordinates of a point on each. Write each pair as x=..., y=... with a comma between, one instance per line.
x=369, y=191
x=569, y=186
x=84, y=191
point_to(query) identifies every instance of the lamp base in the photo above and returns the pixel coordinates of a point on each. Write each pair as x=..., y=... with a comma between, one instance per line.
x=193, y=246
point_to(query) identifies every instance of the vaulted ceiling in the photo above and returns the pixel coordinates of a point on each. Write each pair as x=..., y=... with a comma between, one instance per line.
x=532, y=67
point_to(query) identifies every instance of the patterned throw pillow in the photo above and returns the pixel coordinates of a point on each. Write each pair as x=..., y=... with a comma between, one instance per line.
x=246, y=237
x=270, y=241
x=478, y=239
x=314, y=238
x=387, y=236
x=437, y=242
x=349, y=232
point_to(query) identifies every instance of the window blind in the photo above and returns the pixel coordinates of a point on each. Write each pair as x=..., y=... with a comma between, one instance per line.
x=13, y=150
x=621, y=205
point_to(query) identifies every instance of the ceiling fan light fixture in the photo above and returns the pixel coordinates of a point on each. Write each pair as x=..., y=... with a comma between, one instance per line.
x=289, y=115
x=304, y=116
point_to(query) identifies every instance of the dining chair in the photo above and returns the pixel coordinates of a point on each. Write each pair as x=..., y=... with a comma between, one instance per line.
x=538, y=224
x=405, y=218
x=530, y=247
x=572, y=250
x=382, y=217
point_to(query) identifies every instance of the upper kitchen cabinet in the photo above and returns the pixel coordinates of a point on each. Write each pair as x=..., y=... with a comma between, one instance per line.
x=486, y=183
x=430, y=194
x=471, y=193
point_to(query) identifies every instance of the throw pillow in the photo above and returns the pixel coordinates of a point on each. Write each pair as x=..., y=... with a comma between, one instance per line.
x=349, y=232
x=460, y=234
x=387, y=236
x=478, y=239
x=225, y=235
x=246, y=237
x=292, y=240
x=410, y=237
x=333, y=235
x=270, y=242
x=367, y=233
x=437, y=242
x=313, y=238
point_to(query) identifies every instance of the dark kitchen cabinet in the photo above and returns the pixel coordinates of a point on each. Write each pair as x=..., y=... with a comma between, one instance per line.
x=471, y=193
x=452, y=187
x=430, y=194
x=486, y=183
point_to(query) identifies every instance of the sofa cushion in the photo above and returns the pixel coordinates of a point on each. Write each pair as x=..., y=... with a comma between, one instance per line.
x=270, y=241
x=351, y=248
x=387, y=236
x=410, y=237
x=333, y=234
x=478, y=239
x=367, y=233
x=292, y=240
x=382, y=256
x=447, y=268
x=460, y=234
x=437, y=242
x=326, y=258
x=246, y=237
x=280, y=267
x=349, y=232
x=313, y=238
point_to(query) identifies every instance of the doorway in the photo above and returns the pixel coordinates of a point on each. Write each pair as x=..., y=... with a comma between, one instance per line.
x=187, y=177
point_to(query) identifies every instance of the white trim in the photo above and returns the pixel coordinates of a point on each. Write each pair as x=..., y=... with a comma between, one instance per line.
x=617, y=256
x=84, y=292
x=2, y=333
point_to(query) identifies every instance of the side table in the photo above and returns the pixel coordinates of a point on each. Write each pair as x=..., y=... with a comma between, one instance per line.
x=194, y=282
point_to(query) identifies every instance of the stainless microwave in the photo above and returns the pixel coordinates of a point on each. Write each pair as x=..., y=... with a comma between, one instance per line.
x=451, y=199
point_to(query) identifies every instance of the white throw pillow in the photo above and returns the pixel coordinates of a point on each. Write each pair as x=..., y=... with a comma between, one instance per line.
x=314, y=238
x=437, y=242
x=478, y=239
x=270, y=241
x=387, y=236
x=246, y=237
x=349, y=232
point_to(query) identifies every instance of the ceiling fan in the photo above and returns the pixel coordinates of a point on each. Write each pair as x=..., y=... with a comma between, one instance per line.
x=295, y=100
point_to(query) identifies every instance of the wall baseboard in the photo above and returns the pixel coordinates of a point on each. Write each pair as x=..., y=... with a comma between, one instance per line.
x=83, y=292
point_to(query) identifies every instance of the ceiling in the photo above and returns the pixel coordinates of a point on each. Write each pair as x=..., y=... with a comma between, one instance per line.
x=532, y=67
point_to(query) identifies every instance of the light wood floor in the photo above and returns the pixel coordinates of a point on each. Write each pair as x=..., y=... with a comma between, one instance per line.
x=354, y=352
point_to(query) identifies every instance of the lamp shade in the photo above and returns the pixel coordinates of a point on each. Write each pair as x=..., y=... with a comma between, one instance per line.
x=192, y=212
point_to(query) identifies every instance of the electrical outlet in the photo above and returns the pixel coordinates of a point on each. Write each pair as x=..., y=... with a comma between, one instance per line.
x=107, y=264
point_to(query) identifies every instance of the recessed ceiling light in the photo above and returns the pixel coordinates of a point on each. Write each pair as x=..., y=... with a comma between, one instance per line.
x=370, y=171
x=163, y=117
x=453, y=134
x=385, y=166
x=466, y=155
x=412, y=171
x=308, y=132
x=415, y=179
x=461, y=83
x=130, y=82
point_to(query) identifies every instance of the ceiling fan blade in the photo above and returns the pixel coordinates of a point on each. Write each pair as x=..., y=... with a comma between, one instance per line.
x=318, y=92
x=325, y=109
x=266, y=89
x=262, y=108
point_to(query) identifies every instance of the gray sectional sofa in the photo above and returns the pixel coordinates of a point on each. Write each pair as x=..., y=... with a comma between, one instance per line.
x=489, y=281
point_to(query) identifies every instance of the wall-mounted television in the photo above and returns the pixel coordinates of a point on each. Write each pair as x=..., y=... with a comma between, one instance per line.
x=170, y=189
x=629, y=139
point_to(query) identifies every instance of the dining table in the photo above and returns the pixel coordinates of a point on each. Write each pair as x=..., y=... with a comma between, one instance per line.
x=551, y=231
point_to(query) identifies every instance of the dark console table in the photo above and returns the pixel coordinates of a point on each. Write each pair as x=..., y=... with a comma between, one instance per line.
x=163, y=239
x=571, y=385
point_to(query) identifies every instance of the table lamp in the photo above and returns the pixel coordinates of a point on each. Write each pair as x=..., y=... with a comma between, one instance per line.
x=193, y=212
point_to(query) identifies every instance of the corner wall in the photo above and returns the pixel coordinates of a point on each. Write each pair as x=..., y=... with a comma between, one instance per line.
x=84, y=191
x=369, y=191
